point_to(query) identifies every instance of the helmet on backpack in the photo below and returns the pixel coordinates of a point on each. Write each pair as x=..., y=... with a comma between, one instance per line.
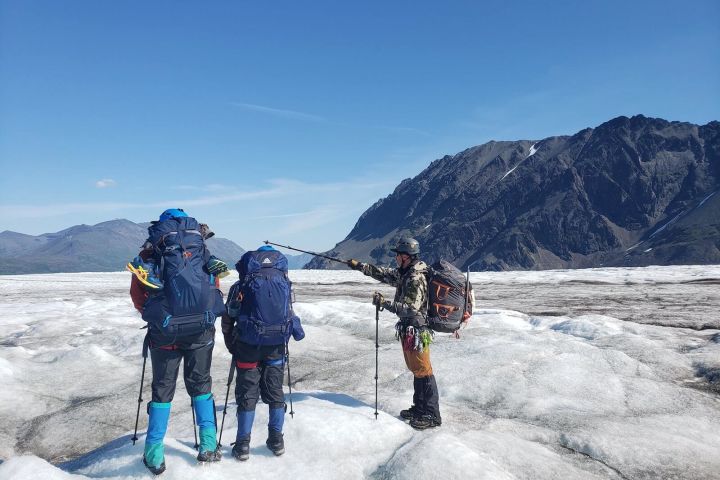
x=172, y=213
x=407, y=245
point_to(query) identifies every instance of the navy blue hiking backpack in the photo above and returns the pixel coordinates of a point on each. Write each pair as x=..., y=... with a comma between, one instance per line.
x=189, y=302
x=261, y=301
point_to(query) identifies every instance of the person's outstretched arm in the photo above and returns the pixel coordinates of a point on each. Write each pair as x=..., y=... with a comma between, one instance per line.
x=391, y=276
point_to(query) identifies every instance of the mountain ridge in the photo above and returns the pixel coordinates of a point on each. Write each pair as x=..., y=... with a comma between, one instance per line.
x=104, y=247
x=569, y=201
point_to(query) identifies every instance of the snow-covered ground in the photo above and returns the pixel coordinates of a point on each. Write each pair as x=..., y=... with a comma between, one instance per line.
x=601, y=373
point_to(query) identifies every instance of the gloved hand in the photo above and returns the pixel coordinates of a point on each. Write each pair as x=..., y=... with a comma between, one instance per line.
x=354, y=264
x=378, y=299
x=205, y=231
x=228, y=341
x=215, y=266
x=297, y=330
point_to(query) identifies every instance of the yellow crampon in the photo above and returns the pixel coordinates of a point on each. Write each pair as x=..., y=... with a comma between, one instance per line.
x=141, y=274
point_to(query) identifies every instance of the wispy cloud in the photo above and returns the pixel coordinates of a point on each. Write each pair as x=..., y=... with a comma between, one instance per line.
x=280, y=215
x=279, y=112
x=213, y=187
x=301, y=221
x=278, y=188
x=409, y=130
x=105, y=183
x=312, y=220
x=53, y=210
x=292, y=114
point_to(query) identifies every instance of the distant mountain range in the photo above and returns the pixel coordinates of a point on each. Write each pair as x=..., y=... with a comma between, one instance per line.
x=632, y=191
x=104, y=247
x=297, y=262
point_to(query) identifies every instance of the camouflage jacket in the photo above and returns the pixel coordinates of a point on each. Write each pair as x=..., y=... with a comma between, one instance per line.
x=411, y=290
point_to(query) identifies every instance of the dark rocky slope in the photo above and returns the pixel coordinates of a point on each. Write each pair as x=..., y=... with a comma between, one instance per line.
x=632, y=191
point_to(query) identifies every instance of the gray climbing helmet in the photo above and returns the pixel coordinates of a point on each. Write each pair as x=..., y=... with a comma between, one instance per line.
x=407, y=245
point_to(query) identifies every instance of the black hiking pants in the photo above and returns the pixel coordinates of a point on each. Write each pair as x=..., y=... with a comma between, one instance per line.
x=196, y=356
x=260, y=374
x=426, y=397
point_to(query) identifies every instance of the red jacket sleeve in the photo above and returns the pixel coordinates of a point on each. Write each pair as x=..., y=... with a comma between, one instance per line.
x=137, y=294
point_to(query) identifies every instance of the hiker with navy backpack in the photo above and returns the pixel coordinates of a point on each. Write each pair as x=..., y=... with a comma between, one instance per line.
x=175, y=287
x=256, y=328
x=411, y=306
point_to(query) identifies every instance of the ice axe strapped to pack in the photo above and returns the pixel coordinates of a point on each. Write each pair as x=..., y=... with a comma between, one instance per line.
x=450, y=297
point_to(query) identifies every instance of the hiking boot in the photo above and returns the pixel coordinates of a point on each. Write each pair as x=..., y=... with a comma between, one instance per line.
x=410, y=413
x=154, y=470
x=275, y=443
x=209, y=456
x=241, y=450
x=425, y=421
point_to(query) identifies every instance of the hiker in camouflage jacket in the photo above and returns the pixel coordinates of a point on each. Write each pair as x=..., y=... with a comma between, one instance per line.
x=410, y=305
x=410, y=302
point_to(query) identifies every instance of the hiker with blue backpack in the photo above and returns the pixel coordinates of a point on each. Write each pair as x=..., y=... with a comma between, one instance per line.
x=175, y=287
x=257, y=327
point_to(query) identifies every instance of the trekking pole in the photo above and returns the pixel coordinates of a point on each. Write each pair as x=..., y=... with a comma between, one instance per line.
x=287, y=356
x=339, y=260
x=467, y=290
x=142, y=380
x=192, y=409
x=227, y=395
x=377, y=348
x=467, y=299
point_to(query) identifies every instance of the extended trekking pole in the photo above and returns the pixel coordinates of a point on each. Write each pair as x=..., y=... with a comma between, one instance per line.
x=142, y=380
x=287, y=356
x=467, y=295
x=192, y=409
x=227, y=395
x=339, y=260
x=464, y=321
x=377, y=348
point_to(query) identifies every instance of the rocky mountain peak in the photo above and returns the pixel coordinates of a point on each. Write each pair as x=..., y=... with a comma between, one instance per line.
x=568, y=201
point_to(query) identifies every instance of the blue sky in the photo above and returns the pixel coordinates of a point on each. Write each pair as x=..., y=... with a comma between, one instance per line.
x=286, y=120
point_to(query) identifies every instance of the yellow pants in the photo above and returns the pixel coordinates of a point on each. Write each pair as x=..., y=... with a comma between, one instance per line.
x=418, y=362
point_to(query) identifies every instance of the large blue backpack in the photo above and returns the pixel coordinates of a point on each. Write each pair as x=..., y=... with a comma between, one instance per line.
x=189, y=302
x=260, y=302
